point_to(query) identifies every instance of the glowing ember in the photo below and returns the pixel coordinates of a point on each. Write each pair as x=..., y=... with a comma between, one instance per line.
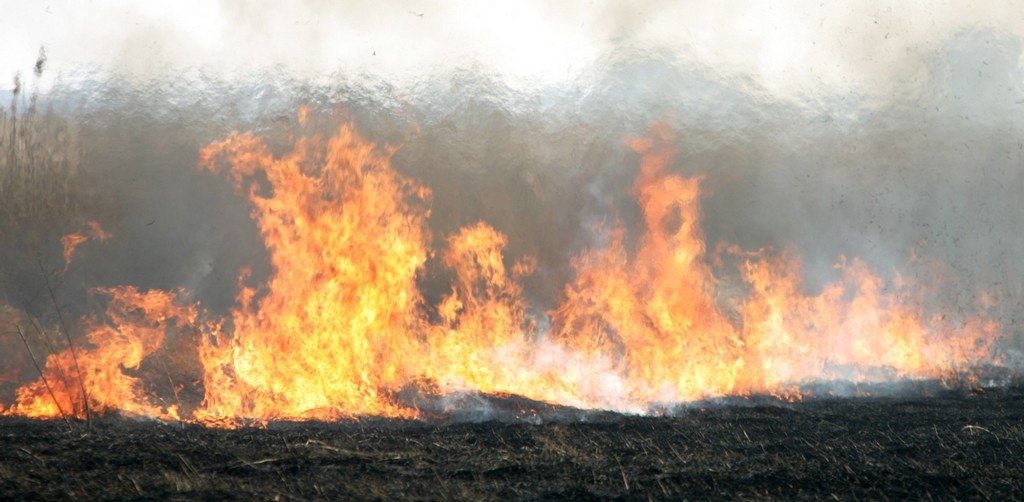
x=341, y=329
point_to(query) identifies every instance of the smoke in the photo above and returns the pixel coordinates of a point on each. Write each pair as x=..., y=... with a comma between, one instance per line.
x=881, y=132
x=790, y=49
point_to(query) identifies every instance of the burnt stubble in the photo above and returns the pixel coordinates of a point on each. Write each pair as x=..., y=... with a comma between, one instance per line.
x=949, y=445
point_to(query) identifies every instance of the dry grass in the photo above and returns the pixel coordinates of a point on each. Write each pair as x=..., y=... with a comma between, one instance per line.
x=41, y=198
x=39, y=164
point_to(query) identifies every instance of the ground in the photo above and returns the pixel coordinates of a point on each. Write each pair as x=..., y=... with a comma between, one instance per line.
x=960, y=444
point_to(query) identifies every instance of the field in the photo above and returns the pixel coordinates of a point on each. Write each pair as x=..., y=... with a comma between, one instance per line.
x=384, y=273
x=939, y=444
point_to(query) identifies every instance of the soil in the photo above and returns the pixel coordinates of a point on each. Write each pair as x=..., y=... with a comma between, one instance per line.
x=947, y=445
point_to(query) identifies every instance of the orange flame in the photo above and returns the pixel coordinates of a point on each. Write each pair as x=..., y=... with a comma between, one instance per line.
x=72, y=241
x=656, y=315
x=94, y=375
x=340, y=328
x=334, y=328
x=659, y=316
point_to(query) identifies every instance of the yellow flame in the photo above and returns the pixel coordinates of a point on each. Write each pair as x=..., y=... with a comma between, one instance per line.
x=340, y=328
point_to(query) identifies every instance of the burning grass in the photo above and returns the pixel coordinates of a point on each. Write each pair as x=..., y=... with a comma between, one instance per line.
x=950, y=445
x=42, y=197
x=340, y=325
x=340, y=330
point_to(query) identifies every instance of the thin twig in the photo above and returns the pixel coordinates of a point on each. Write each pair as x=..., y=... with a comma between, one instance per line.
x=174, y=388
x=625, y=481
x=57, y=366
x=42, y=375
x=71, y=346
x=973, y=428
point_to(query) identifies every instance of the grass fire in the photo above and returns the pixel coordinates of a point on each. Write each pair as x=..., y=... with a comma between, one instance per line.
x=339, y=327
x=651, y=273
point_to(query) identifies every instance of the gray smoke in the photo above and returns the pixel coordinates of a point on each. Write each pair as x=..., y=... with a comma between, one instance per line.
x=932, y=163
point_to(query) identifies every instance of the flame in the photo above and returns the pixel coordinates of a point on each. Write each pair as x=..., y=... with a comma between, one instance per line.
x=660, y=318
x=656, y=315
x=72, y=241
x=95, y=377
x=486, y=341
x=336, y=324
x=340, y=329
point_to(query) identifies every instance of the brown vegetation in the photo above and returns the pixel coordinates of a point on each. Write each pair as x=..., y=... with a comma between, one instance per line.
x=41, y=198
x=38, y=166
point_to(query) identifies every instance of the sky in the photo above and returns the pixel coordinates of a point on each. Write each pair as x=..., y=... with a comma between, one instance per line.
x=789, y=48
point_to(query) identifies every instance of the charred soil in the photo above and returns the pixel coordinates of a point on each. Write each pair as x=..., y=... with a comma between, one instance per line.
x=950, y=445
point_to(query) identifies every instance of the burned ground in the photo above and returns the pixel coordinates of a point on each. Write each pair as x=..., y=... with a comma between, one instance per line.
x=949, y=445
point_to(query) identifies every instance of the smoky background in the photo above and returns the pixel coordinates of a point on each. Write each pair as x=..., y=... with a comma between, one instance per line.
x=933, y=170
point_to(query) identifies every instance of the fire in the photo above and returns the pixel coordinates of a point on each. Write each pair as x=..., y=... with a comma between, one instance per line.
x=656, y=315
x=855, y=327
x=660, y=317
x=95, y=377
x=72, y=241
x=337, y=323
x=340, y=328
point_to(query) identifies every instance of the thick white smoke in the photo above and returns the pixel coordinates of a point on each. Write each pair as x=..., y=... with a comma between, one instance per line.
x=802, y=49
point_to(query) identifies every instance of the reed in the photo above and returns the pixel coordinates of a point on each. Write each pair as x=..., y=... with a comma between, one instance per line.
x=41, y=198
x=40, y=155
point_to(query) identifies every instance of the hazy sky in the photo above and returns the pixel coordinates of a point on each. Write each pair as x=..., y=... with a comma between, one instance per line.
x=786, y=46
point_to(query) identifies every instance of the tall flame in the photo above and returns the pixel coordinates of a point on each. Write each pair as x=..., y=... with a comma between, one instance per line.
x=660, y=317
x=340, y=328
x=337, y=321
x=656, y=314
